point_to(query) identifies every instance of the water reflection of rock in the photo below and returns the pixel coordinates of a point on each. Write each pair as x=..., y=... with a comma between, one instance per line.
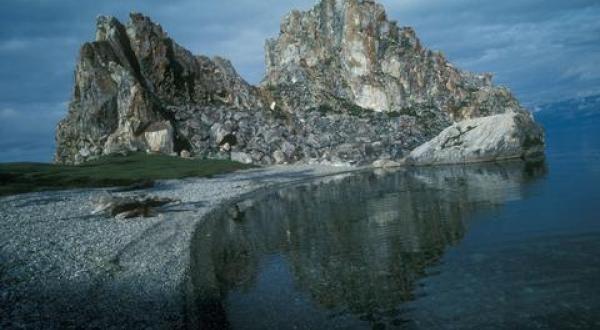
x=355, y=244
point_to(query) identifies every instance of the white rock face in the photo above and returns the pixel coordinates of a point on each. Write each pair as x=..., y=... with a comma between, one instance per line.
x=373, y=98
x=499, y=137
x=160, y=138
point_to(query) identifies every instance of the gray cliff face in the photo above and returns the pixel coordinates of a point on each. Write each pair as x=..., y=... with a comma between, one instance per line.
x=349, y=50
x=343, y=85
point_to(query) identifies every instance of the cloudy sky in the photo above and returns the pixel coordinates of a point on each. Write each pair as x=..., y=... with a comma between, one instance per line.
x=543, y=50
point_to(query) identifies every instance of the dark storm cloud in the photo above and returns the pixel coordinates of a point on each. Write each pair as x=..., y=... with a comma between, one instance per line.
x=542, y=49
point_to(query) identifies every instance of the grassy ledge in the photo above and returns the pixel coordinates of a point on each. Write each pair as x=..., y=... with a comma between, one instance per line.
x=109, y=171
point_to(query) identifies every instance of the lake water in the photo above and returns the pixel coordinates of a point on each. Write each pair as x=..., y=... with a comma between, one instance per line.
x=507, y=245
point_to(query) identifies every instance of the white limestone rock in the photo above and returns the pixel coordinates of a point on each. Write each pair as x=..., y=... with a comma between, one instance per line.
x=499, y=137
x=159, y=137
x=343, y=83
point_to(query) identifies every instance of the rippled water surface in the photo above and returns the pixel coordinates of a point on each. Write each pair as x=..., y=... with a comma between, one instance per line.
x=508, y=245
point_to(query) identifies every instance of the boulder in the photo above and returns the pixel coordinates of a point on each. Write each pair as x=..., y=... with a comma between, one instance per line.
x=241, y=157
x=347, y=55
x=499, y=137
x=386, y=163
x=225, y=147
x=185, y=154
x=288, y=149
x=221, y=133
x=279, y=157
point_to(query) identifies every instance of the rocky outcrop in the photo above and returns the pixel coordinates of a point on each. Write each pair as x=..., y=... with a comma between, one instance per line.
x=343, y=84
x=344, y=52
x=126, y=78
x=499, y=137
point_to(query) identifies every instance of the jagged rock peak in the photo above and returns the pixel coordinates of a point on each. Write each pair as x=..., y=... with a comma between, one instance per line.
x=349, y=50
x=173, y=72
x=126, y=79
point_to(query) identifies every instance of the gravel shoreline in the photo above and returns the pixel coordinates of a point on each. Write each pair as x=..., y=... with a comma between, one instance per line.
x=61, y=267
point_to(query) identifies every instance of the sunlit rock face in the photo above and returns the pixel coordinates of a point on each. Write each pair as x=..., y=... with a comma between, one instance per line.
x=348, y=50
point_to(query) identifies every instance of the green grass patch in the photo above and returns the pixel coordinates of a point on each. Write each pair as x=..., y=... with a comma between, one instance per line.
x=109, y=171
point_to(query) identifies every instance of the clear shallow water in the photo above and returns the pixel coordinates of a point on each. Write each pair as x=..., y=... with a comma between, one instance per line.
x=505, y=245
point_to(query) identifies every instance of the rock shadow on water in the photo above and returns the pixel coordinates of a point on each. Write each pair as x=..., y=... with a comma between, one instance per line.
x=344, y=253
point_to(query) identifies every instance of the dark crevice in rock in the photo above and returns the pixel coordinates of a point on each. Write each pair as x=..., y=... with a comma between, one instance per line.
x=456, y=140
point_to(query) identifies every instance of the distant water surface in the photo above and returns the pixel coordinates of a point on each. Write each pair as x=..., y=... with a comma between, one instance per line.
x=508, y=245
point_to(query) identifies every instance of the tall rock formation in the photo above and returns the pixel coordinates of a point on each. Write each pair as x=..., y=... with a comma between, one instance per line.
x=348, y=51
x=342, y=84
x=125, y=80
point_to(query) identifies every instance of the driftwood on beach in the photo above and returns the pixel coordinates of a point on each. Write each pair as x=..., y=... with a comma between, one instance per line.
x=129, y=207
